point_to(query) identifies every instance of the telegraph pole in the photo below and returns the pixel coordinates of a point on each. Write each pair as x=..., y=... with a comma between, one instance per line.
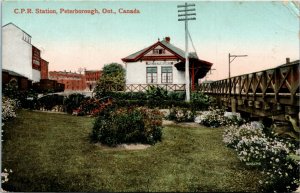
x=185, y=17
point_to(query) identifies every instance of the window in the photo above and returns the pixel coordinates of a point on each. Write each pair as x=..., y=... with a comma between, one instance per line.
x=158, y=51
x=151, y=74
x=166, y=74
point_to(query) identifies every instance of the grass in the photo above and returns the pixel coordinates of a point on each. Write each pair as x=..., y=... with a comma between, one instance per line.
x=52, y=152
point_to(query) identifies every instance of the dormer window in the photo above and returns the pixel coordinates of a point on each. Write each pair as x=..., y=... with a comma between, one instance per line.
x=158, y=51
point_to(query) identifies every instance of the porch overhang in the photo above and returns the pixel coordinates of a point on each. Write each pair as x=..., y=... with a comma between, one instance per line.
x=197, y=67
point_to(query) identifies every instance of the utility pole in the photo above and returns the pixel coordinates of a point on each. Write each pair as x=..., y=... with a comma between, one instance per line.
x=185, y=17
x=229, y=62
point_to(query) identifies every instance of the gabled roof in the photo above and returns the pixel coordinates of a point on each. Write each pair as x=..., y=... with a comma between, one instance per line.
x=198, y=66
x=170, y=47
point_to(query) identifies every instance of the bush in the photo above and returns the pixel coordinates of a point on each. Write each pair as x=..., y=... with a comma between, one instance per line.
x=73, y=101
x=26, y=99
x=9, y=107
x=156, y=93
x=181, y=115
x=93, y=106
x=128, y=125
x=270, y=154
x=128, y=95
x=216, y=118
x=201, y=101
x=176, y=95
x=162, y=104
x=49, y=101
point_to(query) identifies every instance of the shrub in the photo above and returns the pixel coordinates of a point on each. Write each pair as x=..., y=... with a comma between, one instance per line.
x=176, y=95
x=26, y=99
x=181, y=115
x=172, y=95
x=270, y=154
x=162, y=104
x=128, y=95
x=128, y=125
x=73, y=101
x=156, y=93
x=216, y=118
x=49, y=101
x=93, y=106
x=112, y=79
x=201, y=101
x=9, y=107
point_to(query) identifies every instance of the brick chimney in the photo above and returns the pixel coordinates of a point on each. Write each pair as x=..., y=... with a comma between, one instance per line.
x=287, y=60
x=167, y=39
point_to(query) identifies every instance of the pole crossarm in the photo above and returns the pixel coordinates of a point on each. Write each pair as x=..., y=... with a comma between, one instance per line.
x=187, y=14
x=186, y=10
x=186, y=5
x=186, y=19
x=235, y=56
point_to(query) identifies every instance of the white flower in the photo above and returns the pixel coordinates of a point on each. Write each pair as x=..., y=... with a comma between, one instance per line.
x=277, y=160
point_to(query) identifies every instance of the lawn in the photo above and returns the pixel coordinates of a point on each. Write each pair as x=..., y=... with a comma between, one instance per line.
x=52, y=152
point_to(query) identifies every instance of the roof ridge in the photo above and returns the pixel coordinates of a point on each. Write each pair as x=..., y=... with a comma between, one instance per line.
x=11, y=23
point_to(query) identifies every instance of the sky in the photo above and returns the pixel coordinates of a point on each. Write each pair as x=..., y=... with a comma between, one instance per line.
x=268, y=32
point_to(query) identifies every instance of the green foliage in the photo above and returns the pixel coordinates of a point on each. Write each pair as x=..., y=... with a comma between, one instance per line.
x=128, y=95
x=93, y=106
x=176, y=95
x=181, y=115
x=73, y=101
x=112, y=79
x=128, y=125
x=159, y=97
x=26, y=99
x=156, y=93
x=49, y=101
x=162, y=104
x=201, y=101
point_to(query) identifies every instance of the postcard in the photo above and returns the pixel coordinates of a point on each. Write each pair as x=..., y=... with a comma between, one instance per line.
x=150, y=96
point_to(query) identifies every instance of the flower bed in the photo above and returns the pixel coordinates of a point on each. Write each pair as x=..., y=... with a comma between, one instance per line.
x=181, y=115
x=215, y=117
x=269, y=153
x=9, y=107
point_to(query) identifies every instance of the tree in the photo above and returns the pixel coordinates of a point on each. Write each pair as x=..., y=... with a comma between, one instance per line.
x=112, y=79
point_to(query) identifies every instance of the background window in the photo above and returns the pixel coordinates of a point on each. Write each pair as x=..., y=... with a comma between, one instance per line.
x=151, y=74
x=166, y=74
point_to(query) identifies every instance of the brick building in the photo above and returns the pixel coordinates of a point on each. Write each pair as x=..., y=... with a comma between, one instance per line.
x=44, y=69
x=75, y=81
x=71, y=80
x=91, y=77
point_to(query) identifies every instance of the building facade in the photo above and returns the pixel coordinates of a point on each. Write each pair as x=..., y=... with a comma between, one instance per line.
x=77, y=82
x=162, y=64
x=16, y=51
x=91, y=77
x=71, y=80
x=44, y=69
x=19, y=55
